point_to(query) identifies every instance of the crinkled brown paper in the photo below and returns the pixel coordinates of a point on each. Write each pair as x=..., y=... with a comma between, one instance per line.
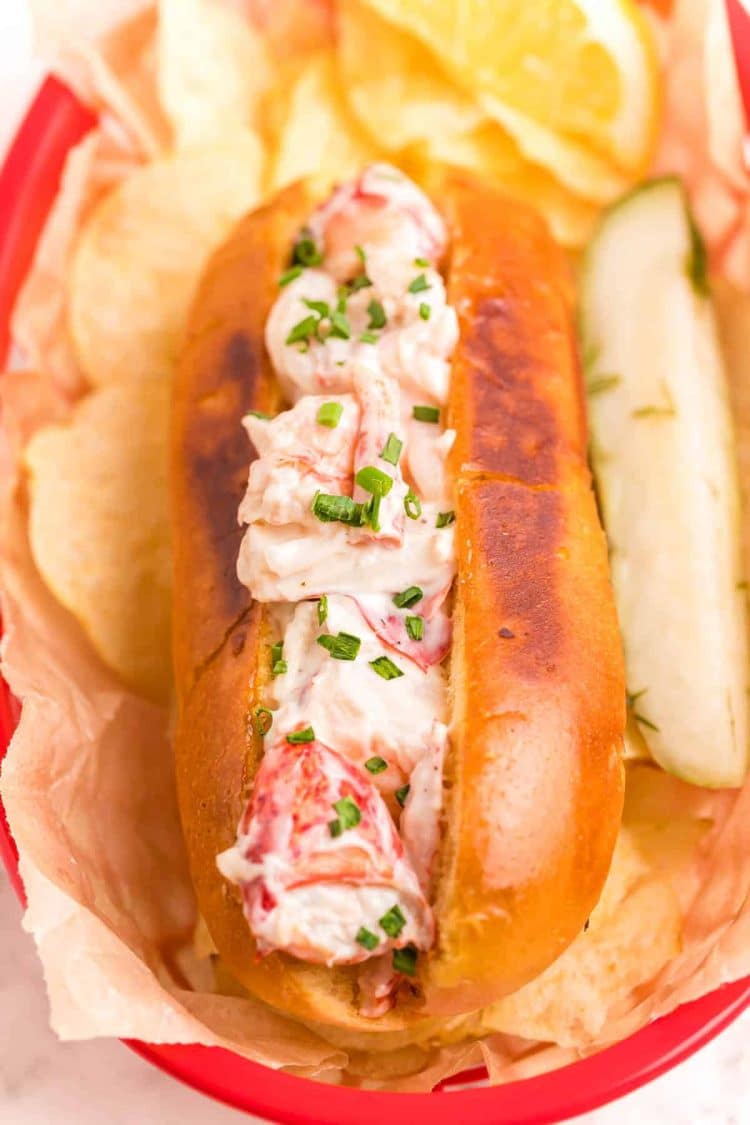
x=88, y=783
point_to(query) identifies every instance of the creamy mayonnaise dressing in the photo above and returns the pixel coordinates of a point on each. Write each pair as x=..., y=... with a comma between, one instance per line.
x=350, y=541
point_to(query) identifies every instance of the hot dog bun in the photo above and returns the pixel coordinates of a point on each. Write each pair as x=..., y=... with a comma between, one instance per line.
x=534, y=778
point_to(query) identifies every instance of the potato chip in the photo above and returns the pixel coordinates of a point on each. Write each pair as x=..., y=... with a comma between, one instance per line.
x=141, y=252
x=396, y=88
x=292, y=28
x=491, y=152
x=318, y=134
x=633, y=931
x=99, y=529
x=581, y=71
x=213, y=68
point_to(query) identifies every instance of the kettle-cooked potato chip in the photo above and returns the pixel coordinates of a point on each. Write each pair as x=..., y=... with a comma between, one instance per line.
x=140, y=254
x=99, y=529
x=318, y=134
x=634, y=930
x=394, y=86
x=213, y=68
x=492, y=153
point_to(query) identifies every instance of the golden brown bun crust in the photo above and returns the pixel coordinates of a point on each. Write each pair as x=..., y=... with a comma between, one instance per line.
x=224, y=371
x=537, y=671
x=535, y=773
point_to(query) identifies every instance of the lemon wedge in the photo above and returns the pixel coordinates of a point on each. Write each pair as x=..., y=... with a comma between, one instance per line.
x=575, y=81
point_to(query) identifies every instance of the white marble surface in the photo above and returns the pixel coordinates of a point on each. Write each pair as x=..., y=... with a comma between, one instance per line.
x=44, y=1081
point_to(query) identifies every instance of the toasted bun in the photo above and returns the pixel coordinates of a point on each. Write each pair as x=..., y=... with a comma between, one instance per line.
x=534, y=778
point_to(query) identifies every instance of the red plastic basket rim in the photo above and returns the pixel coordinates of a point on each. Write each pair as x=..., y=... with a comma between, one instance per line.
x=28, y=183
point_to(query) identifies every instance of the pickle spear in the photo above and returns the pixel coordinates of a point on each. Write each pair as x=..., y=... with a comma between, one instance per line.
x=664, y=459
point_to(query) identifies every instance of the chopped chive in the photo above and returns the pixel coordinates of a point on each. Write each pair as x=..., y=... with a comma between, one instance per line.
x=415, y=627
x=322, y=308
x=376, y=765
x=392, y=450
x=360, y=254
x=445, y=519
x=259, y=414
x=367, y=938
x=412, y=505
x=419, y=284
x=362, y=281
x=322, y=609
x=372, y=511
x=377, y=315
x=424, y=310
x=303, y=330
x=368, y=338
x=423, y=262
x=402, y=794
x=385, y=667
x=405, y=960
x=337, y=509
x=426, y=413
x=305, y=252
x=278, y=664
x=393, y=921
x=263, y=720
x=300, y=737
x=340, y=326
x=329, y=414
x=344, y=646
x=290, y=275
x=408, y=597
x=374, y=481
x=349, y=816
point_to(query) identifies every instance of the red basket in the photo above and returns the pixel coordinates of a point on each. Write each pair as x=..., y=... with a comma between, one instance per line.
x=28, y=183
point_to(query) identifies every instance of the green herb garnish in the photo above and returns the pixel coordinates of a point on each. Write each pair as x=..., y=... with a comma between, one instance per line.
x=424, y=310
x=367, y=938
x=344, y=646
x=412, y=505
x=322, y=609
x=303, y=330
x=290, y=275
x=426, y=413
x=402, y=794
x=305, y=251
x=415, y=627
x=330, y=508
x=445, y=519
x=329, y=414
x=408, y=597
x=385, y=667
x=405, y=960
x=301, y=737
x=263, y=720
x=278, y=664
x=419, y=284
x=393, y=921
x=376, y=765
x=349, y=816
x=392, y=450
x=374, y=481
x=377, y=315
